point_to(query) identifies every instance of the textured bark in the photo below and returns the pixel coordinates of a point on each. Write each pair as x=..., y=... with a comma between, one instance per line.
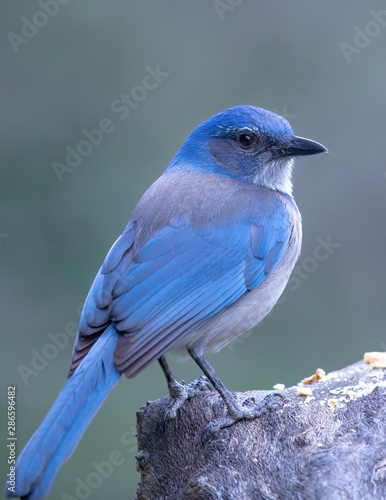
x=331, y=445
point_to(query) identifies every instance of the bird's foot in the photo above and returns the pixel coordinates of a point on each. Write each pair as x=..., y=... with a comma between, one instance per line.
x=247, y=411
x=181, y=392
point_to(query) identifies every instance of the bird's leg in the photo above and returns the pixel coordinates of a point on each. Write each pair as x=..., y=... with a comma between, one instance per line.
x=248, y=410
x=180, y=391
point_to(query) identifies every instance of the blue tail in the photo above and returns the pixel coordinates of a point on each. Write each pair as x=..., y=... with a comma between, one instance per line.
x=57, y=437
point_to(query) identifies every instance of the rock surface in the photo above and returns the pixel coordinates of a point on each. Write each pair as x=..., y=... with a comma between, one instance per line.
x=325, y=446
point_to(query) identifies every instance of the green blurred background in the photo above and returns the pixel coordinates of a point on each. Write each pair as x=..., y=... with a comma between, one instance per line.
x=284, y=56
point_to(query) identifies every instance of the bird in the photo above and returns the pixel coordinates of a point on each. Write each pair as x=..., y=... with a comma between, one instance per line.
x=206, y=254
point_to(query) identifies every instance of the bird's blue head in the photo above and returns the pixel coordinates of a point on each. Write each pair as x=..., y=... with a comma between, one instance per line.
x=246, y=143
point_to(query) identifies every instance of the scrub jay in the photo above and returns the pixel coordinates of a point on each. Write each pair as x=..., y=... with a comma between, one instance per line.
x=205, y=256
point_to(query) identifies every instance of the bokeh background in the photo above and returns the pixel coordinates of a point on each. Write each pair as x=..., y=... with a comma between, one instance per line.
x=284, y=56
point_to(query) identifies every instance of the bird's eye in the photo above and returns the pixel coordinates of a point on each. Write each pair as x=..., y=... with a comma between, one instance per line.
x=246, y=140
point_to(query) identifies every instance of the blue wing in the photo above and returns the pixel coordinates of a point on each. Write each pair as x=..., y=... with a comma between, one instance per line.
x=183, y=276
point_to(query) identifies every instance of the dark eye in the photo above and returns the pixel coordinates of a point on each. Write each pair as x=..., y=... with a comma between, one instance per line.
x=246, y=140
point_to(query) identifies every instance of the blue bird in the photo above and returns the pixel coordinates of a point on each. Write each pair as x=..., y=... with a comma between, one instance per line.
x=205, y=256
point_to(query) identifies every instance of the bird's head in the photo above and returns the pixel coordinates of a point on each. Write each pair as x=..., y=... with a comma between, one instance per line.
x=246, y=143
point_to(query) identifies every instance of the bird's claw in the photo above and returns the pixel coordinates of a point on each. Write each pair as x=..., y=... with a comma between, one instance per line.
x=247, y=411
x=181, y=392
x=271, y=400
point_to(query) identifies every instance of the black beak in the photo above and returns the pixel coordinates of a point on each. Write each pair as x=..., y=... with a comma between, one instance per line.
x=299, y=146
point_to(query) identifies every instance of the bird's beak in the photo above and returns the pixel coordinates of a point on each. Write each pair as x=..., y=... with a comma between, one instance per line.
x=299, y=146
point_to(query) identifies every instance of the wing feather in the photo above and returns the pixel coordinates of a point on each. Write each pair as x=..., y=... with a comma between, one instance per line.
x=182, y=277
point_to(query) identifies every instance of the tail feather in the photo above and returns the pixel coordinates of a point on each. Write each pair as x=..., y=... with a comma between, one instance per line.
x=57, y=437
